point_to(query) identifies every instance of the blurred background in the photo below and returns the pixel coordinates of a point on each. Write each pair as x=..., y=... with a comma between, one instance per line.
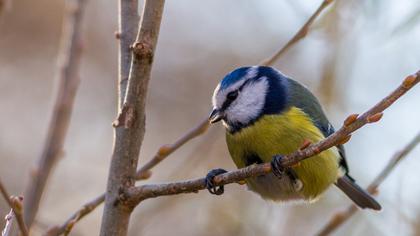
x=355, y=54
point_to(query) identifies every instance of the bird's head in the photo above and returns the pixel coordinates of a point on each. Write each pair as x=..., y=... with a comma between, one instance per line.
x=246, y=94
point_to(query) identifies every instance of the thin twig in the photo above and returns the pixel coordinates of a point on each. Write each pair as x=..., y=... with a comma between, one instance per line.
x=341, y=217
x=142, y=173
x=69, y=57
x=135, y=195
x=168, y=149
x=16, y=204
x=303, y=31
x=130, y=123
x=9, y=222
x=68, y=225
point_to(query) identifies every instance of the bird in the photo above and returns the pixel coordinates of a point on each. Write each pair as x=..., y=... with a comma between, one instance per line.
x=267, y=115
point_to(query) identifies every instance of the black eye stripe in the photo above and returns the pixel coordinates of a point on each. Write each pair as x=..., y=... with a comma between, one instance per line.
x=232, y=95
x=228, y=101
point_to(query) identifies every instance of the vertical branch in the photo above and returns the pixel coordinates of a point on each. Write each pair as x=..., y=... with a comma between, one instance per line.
x=128, y=19
x=341, y=217
x=16, y=204
x=130, y=123
x=69, y=58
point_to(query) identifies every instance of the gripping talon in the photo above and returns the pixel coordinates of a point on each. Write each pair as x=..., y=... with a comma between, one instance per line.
x=280, y=172
x=277, y=168
x=210, y=185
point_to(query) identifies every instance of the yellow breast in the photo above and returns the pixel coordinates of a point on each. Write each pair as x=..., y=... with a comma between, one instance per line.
x=283, y=134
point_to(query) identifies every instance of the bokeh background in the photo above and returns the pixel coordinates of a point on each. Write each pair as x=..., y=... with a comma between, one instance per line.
x=355, y=54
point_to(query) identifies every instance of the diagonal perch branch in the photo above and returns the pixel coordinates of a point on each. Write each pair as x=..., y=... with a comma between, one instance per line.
x=341, y=217
x=135, y=195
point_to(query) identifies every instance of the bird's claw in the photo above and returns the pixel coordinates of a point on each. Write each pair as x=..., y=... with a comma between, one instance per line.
x=280, y=171
x=210, y=185
x=276, y=167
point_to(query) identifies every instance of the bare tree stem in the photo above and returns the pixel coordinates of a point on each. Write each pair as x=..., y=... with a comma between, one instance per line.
x=15, y=203
x=135, y=195
x=69, y=58
x=128, y=20
x=130, y=123
x=340, y=218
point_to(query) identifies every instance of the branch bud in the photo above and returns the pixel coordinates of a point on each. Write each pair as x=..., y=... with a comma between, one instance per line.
x=345, y=140
x=164, y=150
x=350, y=119
x=305, y=144
x=409, y=80
x=144, y=175
x=117, y=35
x=375, y=118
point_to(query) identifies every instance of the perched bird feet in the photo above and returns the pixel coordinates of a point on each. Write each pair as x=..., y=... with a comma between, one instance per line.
x=210, y=185
x=276, y=167
x=280, y=172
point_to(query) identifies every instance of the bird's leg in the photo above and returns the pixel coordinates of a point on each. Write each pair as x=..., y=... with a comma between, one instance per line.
x=280, y=171
x=296, y=182
x=213, y=189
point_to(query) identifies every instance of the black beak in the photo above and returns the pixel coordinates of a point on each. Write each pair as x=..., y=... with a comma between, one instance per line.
x=215, y=116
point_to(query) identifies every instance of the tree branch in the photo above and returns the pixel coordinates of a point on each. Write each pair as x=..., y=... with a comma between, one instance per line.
x=69, y=56
x=9, y=222
x=141, y=174
x=135, y=195
x=128, y=19
x=341, y=217
x=165, y=150
x=16, y=204
x=303, y=31
x=68, y=225
x=130, y=123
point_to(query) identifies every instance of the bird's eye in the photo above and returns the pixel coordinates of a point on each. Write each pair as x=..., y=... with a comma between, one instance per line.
x=232, y=95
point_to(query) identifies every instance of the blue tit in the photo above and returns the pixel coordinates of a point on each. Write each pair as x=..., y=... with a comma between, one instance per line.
x=266, y=115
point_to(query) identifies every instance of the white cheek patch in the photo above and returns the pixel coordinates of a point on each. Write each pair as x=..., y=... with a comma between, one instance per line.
x=249, y=103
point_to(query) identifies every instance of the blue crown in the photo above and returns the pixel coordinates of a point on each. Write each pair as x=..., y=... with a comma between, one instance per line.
x=233, y=77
